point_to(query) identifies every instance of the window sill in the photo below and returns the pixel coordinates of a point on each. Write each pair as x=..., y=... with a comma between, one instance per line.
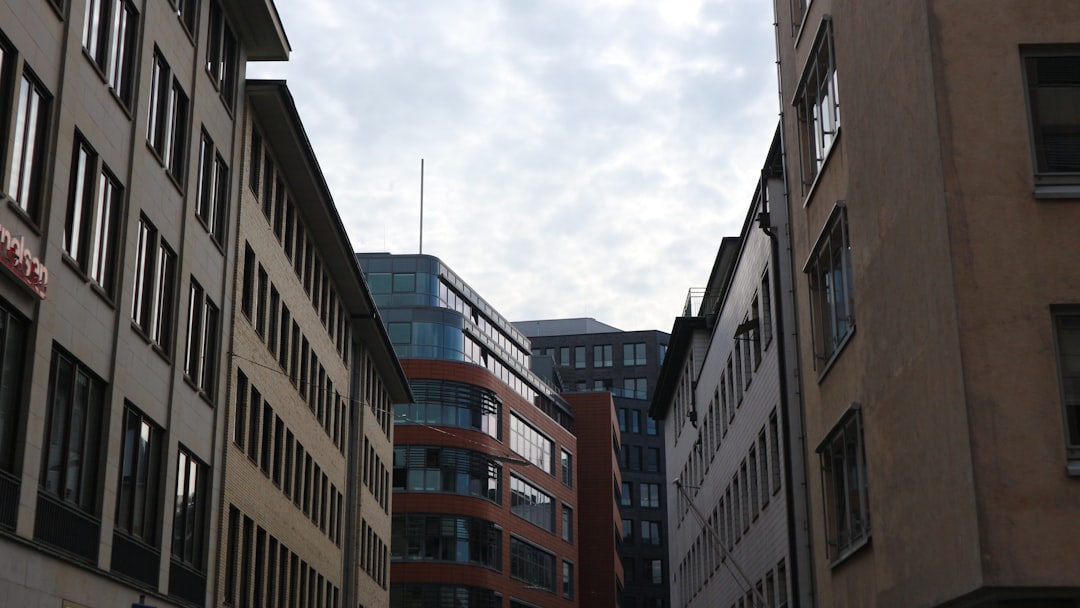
x=1057, y=192
x=24, y=215
x=1072, y=468
x=850, y=551
x=831, y=360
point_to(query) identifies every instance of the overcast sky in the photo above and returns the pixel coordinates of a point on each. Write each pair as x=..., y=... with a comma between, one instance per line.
x=583, y=158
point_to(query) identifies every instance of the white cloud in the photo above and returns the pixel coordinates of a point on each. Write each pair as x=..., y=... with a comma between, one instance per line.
x=582, y=159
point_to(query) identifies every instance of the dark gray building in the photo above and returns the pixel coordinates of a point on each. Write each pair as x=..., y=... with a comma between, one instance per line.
x=592, y=356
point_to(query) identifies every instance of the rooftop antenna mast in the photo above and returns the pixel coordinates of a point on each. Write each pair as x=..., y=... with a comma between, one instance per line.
x=421, y=206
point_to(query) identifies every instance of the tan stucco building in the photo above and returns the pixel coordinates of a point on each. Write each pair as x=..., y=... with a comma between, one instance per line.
x=933, y=165
x=312, y=376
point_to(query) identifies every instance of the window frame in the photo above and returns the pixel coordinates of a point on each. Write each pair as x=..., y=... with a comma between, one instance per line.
x=202, y=345
x=1048, y=183
x=110, y=42
x=826, y=348
x=212, y=190
x=167, y=118
x=825, y=88
x=143, y=517
x=32, y=124
x=845, y=537
x=1070, y=404
x=195, y=496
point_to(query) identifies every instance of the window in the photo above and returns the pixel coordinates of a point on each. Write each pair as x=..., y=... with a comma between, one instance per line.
x=602, y=354
x=579, y=357
x=256, y=161
x=817, y=105
x=93, y=215
x=564, y=356
x=28, y=153
x=653, y=571
x=155, y=286
x=454, y=470
x=166, y=129
x=774, y=451
x=626, y=496
x=189, y=518
x=12, y=360
x=1067, y=328
x=137, y=504
x=650, y=495
x=212, y=197
x=567, y=469
x=652, y=460
x=532, y=504
x=200, y=360
x=635, y=388
x=451, y=538
x=531, y=564
x=568, y=580
x=650, y=532
x=567, y=524
x=650, y=426
x=531, y=444
x=798, y=13
x=832, y=297
x=187, y=11
x=843, y=465
x=1053, y=91
x=634, y=354
x=221, y=55
x=73, y=433
x=766, y=312
x=109, y=37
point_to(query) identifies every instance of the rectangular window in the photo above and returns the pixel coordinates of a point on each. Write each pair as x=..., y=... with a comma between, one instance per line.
x=221, y=55
x=255, y=163
x=532, y=504
x=652, y=460
x=567, y=466
x=28, y=153
x=532, y=444
x=73, y=433
x=602, y=354
x=817, y=105
x=240, y=416
x=774, y=451
x=168, y=117
x=247, y=286
x=189, y=519
x=843, y=465
x=579, y=357
x=626, y=496
x=832, y=296
x=254, y=414
x=531, y=564
x=93, y=216
x=109, y=36
x=230, y=555
x=272, y=320
x=12, y=362
x=137, y=503
x=567, y=524
x=265, y=438
x=568, y=580
x=1053, y=95
x=798, y=13
x=154, y=287
x=650, y=495
x=261, y=284
x=1067, y=332
x=187, y=11
x=650, y=532
x=200, y=359
x=763, y=450
x=766, y=312
x=634, y=354
x=211, y=202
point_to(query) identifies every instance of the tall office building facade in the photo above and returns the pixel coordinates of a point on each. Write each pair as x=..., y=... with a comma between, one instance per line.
x=933, y=167
x=485, y=498
x=593, y=356
x=114, y=293
x=728, y=396
x=311, y=379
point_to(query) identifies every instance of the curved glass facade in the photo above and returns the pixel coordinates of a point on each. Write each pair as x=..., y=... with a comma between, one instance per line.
x=419, y=595
x=451, y=403
x=447, y=538
x=419, y=468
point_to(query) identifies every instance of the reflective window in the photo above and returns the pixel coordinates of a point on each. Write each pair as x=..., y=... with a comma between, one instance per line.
x=12, y=360
x=453, y=470
x=531, y=444
x=532, y=504
x=532, y=564
x=449, y=403
x=450, y=538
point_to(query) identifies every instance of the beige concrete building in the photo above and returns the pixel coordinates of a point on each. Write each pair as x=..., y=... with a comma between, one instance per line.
x=118, y=257
x=312, y=375
x=933, y=164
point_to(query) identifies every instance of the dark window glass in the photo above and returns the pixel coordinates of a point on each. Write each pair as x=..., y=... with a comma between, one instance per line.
x=189, y=518
x=73, y=433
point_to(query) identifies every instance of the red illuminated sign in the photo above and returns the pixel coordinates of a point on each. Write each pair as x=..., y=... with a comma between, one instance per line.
x=16, y=257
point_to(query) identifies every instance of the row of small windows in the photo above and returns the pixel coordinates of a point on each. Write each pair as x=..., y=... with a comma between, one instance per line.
x=632, y=459
x=271, y=319
x=633, y=354
x=447, y=538
x=454, y=404
x=758, y=477
x=650, y=572
x=444, y=469
x=377, y=397
x=532, y=504
x=269, y=573
x=702, y=562
x=298, y=243
x=649, y=533
x=531, y=564
x=753, y=337
x=376, y=477
x=272, y=447
x=434, y=595
x=374, y=555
